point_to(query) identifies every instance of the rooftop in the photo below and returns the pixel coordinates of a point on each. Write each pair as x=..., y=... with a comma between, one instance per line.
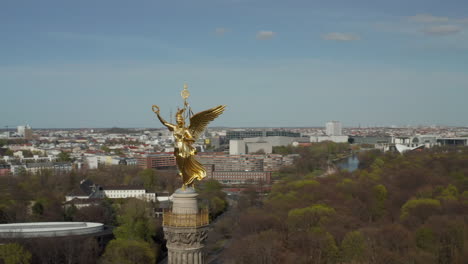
x=122, y=187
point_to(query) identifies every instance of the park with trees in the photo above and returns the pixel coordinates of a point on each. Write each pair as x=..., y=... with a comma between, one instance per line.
x=410, y=208
x=396, y=208
x=137, y=233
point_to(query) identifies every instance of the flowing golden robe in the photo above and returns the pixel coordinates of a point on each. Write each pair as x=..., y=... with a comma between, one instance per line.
x=189, y=167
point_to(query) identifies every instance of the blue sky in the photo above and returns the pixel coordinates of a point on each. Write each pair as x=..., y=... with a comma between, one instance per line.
x=274, y=63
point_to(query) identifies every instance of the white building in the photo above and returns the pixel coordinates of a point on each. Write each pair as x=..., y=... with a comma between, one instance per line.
x=275, y=141
x=236, y=147
x=24, y=131
x=115, y=192
x=20, y=130
x=336, y=139
x=255, y=144
x=36, y=167
x=428, y=141
x=94, y=161
x=333, y=128
x=88, y=190
x=255, y=147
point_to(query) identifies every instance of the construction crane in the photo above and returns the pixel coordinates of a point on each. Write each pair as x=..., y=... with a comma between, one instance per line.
x=6, y=129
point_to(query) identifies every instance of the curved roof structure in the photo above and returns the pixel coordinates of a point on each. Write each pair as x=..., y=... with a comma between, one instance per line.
x=49, y=229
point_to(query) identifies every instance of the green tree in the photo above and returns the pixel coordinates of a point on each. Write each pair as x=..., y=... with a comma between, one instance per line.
x=425, y=239
x=105, y=149
x=38, y=209
x=449, y=193
x=149, y=179
x=420, y=208
x=380, y=196
x=63, y=157
x=303, y=219
x=353, y=247
x=27, y=154
x=9, y=152
x=330, y=250
x=211, y=192
x=70, y=212
x=125, y=251
x=13, y=253
x=135, y=223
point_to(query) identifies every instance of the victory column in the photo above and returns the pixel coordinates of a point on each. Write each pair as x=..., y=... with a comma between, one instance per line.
x=185, y=226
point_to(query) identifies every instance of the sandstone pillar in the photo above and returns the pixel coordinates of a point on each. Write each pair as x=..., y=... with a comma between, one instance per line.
x=185, y=229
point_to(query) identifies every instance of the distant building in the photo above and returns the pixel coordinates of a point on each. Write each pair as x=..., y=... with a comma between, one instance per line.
x=237, y=147
x=333, y=128
x=92, y=162
x=261, y=144
x=427, y=141
x=417, y=142
x=241, y=177
x=83, y=202
x=260, y=147
x=86, y=190
x=89, y=193
x=453, y=141
x=126, y=161
x=24, y=131
x=231, y=162
x=403, y=148
x=160, y=161
x=20, y=130
x=241, y=134
x=238, y=169
x=215, y=142
x=275, y=141
x=371, y=140
x=5, y=169
x=114, y=192
x=35, y=167
x=336, y=139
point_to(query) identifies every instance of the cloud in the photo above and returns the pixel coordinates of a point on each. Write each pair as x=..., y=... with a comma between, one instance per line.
x=337, y=36
x=263, y=35
x=442, y=30
x=427, y=18
x=462, y=20
x=220, y=31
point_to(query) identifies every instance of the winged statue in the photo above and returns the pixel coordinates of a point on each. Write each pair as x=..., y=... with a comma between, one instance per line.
x=190, y=168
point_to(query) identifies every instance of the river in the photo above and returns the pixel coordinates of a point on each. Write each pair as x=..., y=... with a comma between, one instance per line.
x=351, y=163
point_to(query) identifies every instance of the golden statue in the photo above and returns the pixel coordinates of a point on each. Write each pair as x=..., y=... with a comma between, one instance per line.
x=189, y=167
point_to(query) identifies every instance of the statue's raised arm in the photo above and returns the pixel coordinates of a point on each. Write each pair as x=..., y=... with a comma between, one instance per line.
x=170, y=126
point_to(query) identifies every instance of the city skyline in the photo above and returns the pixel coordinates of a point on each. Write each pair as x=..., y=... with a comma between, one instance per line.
x=275, y=64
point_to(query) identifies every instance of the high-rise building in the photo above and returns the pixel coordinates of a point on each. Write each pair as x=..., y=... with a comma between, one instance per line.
x=333, y=128
x=236, y=147
x=28, y=133
x=20, y=130
x=24, y=131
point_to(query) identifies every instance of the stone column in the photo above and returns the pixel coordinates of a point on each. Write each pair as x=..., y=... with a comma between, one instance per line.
x=185, y=229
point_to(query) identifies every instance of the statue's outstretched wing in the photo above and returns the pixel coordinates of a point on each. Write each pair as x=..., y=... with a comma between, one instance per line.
x=199, y=121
